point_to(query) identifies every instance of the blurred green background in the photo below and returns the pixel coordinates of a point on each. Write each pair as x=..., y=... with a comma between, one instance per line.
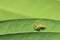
x=18, y=9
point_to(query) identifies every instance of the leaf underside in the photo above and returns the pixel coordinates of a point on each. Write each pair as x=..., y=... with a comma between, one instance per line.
x=22, y=29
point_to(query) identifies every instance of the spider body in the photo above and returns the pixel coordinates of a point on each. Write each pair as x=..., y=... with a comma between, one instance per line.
x=39, y=27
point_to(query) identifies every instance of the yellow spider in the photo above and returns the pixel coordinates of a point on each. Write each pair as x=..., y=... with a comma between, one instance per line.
x=38, y=26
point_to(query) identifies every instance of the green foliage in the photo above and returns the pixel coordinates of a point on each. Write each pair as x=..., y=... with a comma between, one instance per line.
x=22, y=29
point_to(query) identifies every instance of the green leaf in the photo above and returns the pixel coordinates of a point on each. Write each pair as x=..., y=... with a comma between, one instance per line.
x=32, y=36
x=26, y=25
x=22, y=29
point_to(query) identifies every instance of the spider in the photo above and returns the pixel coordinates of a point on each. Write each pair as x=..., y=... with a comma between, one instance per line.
x=39, y=27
